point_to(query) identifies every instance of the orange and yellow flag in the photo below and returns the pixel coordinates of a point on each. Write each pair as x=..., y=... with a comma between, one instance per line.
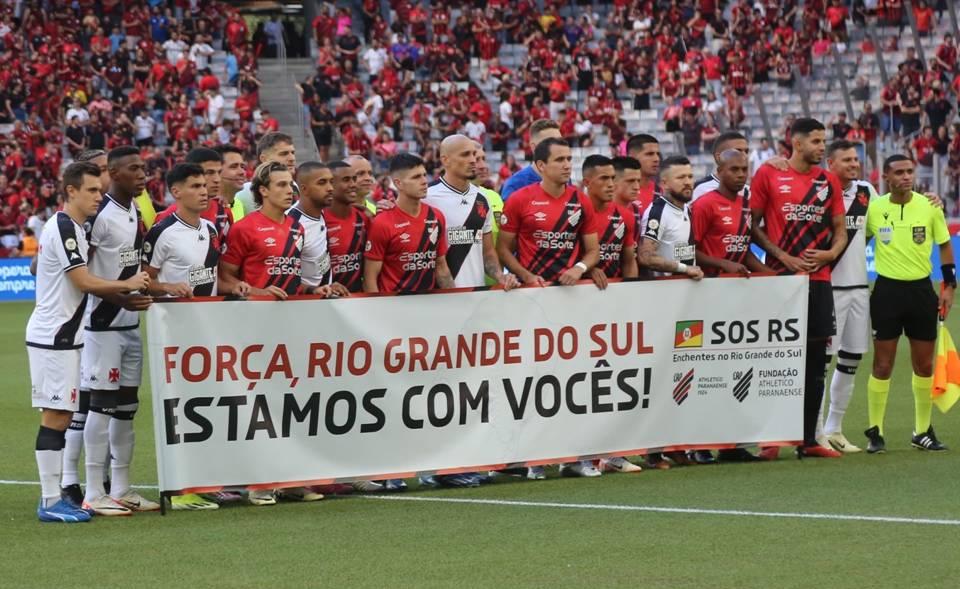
x=946, y=372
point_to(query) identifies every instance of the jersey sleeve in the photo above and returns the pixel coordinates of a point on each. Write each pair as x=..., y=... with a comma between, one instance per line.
x=378, y=237
x=150, y=256
x=651, y=222
x=511, y=215
x=66, y=246
x=237, y=246
x=760, y=189
x=97, y=231
x=590, y=217
x=698, y=219
x=442, y=244
x=941, y=234
x=488, y=220
x=630, y=229
x=871, y=225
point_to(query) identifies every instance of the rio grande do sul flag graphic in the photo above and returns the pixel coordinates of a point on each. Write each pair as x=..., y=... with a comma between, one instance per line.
x=689, y=334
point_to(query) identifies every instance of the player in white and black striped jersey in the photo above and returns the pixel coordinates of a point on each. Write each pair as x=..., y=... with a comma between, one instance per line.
x=53, y=336
x=182, y=251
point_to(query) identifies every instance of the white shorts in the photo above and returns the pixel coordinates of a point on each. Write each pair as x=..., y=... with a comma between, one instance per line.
x=54, y=378
x=852, y=309
x=111, y=359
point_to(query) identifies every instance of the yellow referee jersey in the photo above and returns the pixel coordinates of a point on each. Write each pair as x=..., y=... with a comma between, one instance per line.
x=905, y=234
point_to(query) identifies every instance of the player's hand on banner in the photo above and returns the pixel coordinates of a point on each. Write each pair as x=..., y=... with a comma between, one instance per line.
x=735, y=268
x=816, y=259
x=276, y=292
x=934, y=199
x=535, y=280
x=241, y=289
x=508, y=281
x=946, y=302
x=136, y=302
x=599, y=278
x=570, y=276
x=181, y=290
x=338, y=290
x=695, y=272
x=323, y=291
x=139, y=281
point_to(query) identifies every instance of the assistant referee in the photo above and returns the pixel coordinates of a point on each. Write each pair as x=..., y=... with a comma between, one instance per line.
x=903, y=301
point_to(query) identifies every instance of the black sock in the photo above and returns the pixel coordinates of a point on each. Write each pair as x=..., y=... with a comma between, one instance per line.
x=813, y=389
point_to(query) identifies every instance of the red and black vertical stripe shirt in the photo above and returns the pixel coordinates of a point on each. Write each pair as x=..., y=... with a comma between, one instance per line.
x=346, y=240
x=267, y=252
x=798, y=211
x=721, y=227
x=408, y=247
x=548, y=228
x=616, y=230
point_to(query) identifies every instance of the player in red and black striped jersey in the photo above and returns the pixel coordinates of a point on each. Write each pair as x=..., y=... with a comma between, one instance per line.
x=804, y=232
x=347, y=227
x=615, y=225
x=547, y=232
x=721, y=221
x=216, y=212
x=646, y=150
x=626, y=187
x=407, y=245
x=263, y=249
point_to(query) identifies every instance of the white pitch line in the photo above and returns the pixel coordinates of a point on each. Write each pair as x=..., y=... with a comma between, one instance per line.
x=645, y=508
x=684, y=510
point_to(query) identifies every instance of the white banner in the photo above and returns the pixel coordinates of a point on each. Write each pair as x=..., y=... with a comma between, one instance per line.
x=279, y=393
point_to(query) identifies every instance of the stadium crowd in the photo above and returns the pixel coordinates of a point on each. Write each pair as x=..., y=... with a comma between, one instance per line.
x=330, y=228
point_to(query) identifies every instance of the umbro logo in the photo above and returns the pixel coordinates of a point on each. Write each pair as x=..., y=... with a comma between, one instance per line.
x=270, y=241
x=405, y=237
x=540, y=216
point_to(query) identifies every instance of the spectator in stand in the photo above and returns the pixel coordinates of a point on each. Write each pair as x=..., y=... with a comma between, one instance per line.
x=760, y=156
x=870, y=123
x=938, y=110
x=924, y=149
x=539, y=130
x=923, y=16
x=910, y=111
x=839, y=127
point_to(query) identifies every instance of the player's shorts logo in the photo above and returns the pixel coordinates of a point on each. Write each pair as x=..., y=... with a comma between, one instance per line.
x=689, y=334
x=919, y=234
x=114, y=375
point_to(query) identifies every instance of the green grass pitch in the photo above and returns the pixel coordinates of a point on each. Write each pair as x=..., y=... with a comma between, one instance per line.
x=361, y=542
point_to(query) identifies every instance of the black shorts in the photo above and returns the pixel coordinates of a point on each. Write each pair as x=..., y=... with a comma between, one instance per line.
x=821, y=321
x=904, y=307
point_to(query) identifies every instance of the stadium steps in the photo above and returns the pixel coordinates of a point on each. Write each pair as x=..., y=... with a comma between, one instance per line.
x=278, y=95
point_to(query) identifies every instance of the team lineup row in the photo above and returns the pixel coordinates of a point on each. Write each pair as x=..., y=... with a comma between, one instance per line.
x=309, y=229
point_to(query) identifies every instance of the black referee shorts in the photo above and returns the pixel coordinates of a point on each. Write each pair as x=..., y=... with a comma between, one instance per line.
x=904, y=307
x=821, y=321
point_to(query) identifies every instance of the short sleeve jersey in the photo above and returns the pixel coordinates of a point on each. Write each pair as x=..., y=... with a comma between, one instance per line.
x=346, y=240
x=797, y=211
x=616, y=231
x=183, y=253
x=670, y=227
x=850, y=269
x=408, y=247
x=217, y=213
x=315, y=255
x=57, y=317
x=905, y=234
x=721, y=227
x=548, y=229
x=117, y=234
x=267, y=252
x=647, y=195
x=468, y=219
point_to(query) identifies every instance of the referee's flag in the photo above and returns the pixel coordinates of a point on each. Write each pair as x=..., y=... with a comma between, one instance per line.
x=946, y=372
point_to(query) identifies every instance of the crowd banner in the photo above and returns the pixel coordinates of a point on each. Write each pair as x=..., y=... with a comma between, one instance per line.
x=265, y=394
x=16, y=281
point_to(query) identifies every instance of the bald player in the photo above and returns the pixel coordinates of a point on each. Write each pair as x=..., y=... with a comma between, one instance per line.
x=363, y=172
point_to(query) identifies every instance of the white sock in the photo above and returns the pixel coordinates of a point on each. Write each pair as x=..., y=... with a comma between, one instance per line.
x=50, y=464
x=95, y=447
x=841, y=390
x=71, y=452
x=122, y=439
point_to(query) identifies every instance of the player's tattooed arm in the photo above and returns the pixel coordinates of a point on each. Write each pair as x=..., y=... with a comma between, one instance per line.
x=506, y=245
x=444, y=277
x=648, y=258
x=491, y=265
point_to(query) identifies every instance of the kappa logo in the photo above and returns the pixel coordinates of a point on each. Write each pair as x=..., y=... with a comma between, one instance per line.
x=742, y=388
x=681, y=389
x=75, y=256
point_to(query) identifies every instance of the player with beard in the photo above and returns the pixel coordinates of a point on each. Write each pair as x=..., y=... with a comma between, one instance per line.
x=646, y=150
x=804, y=231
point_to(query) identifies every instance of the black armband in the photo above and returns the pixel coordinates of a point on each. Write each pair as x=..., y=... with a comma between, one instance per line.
x=949, y=273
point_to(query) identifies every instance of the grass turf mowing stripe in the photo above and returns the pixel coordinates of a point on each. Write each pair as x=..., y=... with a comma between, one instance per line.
x=683, y=510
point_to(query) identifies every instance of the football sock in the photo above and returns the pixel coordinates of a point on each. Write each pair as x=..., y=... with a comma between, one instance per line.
x=74, y=441
x=841, y=390
x=122, y=438
x=49, y=451
x=95, y=436
x=813, y=389
x=877, y=392
x=922, y=403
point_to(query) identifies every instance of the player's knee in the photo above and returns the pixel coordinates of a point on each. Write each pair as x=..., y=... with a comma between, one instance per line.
x=127, y=396
x=882, y=369
x=923, y=368
x=104, y=402
x=847, y=362
x=55, y=420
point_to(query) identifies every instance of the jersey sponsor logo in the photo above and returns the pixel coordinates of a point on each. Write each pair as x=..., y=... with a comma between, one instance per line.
x=200, y=275
x=919, y=235
x=683, y=251
x=129, y=256
x=856, y=221
x=803, y=212
x=414, y=261
x=463, y=236
x=539, y=216
x=283, y=265
x=345, y=263
x=736, y=243
x=555, y=240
